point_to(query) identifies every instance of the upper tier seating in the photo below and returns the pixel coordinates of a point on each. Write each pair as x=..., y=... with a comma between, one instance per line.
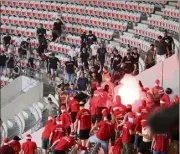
x=171, y=11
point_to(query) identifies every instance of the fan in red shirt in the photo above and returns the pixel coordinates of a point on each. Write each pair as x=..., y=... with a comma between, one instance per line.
x=83, y=123
x=119, y=105
x=5, y=148
x=144, y=109
x=138, y=128
x=63, y=144
x=73, y=107
x=175, y=100
x=58, y=132
x=127, y=134
x=95, y=111
x=116, y=149
x=66, y=119
x=15, y=144
x=51, y=124
x=29, y=147
x=160, y=143
x=105, y=132
x=166, y=97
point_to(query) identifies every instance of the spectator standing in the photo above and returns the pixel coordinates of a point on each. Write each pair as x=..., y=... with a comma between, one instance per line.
x=145, y=146
x=29, y=48
x=6, y=41
x=149, y=58
x=66, y=119
x=84, y=57
x=94, y=48
x=31, y=66
x=3, y=59
x=15, y=144
x=56, y=32
x=105, y=132
x=130, y=66
x=136, y=55
x=41, y=32
x=6, y=148
x=83, y=39
x=49, y=127
x=42, y=48
x=83, y=119
x=160, y=143
x=82, y=82
x=22, y=49
x=72, y=90
x=101, y=54
x=18, y=41
x=70, y=70
x=91, y=38
x=73, y=52
x=53, y=65
x=161, y=50
x=52, y=108
x=29, y=147
x=169, y=40
x=10, y=63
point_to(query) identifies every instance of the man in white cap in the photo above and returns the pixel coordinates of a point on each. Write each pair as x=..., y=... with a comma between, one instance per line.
x=5, y=148
x=29, y=147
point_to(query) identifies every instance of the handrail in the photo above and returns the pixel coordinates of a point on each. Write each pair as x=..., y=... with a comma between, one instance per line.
x=17, y=94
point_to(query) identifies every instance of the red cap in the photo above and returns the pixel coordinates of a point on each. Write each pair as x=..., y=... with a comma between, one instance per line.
x=6, y=140
x=131, y=115
x=28, y=136
x=129, y=106
x=72, y=134
x=63, y=107
x=105, y=112
x=157, y=82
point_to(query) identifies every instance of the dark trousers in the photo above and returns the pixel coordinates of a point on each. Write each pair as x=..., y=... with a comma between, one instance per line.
x=59, y=152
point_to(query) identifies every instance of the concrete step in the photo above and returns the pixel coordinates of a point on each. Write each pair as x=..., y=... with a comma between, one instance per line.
x=131, y=31
x=159, y=13
x=144, y=22
x=174, y=3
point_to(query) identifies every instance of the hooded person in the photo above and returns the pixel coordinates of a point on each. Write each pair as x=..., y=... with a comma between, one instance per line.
x=64, y=144
x=66, y=119
x=6, y=148
x=15, y=144
x=29, y=146
x=104, y=133
x=82, y=124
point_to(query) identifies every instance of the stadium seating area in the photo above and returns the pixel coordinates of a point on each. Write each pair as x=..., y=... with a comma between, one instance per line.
x=103, y=18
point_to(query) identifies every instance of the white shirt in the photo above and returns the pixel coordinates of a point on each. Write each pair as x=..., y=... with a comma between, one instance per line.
x=18, y=41
x=73, y=53
x=146, y=131
x=94, y=48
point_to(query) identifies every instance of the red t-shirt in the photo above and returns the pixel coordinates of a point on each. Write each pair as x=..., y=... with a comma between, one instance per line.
x=101, y=97
x=137, y=123
x=106, y=129
x=65, y=143
x=116, y=149
x=66, y=119
x=48, y=129
x=16, y=146
x=84, y=118
x=166, y=98
x=126, y=137
x=93, y=106
x=29, y=147
x=161, y=142
x=58, y=132
x=73, y=105
x=121, y=107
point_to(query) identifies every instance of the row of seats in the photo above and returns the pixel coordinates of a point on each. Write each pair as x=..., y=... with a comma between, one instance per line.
x=110, y=48
x=79, y=29
x=43, y=5
x=143, y=30
x=159, y=21
x=94, y=21
x=39, y=14
x=171, y=11
x=135, y=42
x=102, y=12
x=27, y=22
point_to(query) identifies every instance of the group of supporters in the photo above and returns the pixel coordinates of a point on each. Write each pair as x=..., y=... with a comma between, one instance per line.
x=118, y=128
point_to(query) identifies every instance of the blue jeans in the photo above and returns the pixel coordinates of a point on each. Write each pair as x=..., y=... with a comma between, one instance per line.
x=70, y=77
x=159, y=152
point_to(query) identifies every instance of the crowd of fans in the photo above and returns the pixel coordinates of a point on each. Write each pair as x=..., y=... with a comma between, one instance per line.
x=87, y=71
